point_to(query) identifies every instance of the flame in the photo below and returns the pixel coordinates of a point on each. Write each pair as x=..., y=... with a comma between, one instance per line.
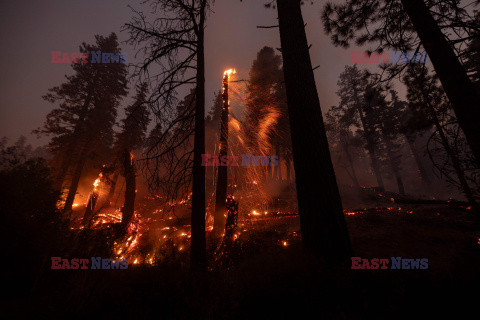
x=229, y=72
x=96, y=183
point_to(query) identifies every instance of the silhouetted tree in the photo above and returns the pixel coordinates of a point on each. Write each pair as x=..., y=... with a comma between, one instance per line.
x=426, y=96
x=409, y=24
x=322, y=220
x=83, y=122
x=175, y=42
x=352, y=85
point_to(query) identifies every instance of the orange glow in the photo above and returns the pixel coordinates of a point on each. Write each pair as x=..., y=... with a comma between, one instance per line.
x=229, y=72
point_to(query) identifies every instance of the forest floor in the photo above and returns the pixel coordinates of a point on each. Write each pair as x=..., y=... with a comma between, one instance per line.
x=272, y=277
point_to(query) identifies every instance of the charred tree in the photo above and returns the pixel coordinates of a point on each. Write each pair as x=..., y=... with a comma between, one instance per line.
x=89, y=211
x=130, y=189
x=227, y=250
x=175, y=41
x=72, y=190
x=198, y=252
x=322, y=220
x=222, y=174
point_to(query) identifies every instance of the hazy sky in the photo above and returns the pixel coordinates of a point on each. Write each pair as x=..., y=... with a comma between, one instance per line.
x=31, y=29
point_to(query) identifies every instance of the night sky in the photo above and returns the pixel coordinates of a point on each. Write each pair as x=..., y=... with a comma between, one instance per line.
x=30, y=30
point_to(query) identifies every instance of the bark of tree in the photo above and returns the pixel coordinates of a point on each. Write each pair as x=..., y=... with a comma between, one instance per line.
x=72, y=191
x=130, y=189
x=461, y=92
x=287, y=164
x=222, y=176
x=198, y=253
x=88, y=215
x=276, y=168
x=322, y=221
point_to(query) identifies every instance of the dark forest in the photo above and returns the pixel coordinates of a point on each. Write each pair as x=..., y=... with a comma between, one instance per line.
x=154, y=187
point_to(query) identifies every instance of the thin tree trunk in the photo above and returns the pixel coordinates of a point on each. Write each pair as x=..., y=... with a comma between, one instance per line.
x=275, y=168
x=88, y=215
x=467, y=191
x=424, y=177
x=393, y=165
x=350, y=162
x=111, y=192
x=460, y=90
x=287, y=164
x=370, y=144
x=72, y=191
x=69, y=153
x=279, y=165
x=198, y=253
x=130, y=189
x=222, y=177
x=322, y=221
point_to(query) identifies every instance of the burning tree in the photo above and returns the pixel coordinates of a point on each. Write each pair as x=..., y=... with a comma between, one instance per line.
x=222, y=175
x=133, y=132
x=82, y=125
x=174, y=43
x=266, y=120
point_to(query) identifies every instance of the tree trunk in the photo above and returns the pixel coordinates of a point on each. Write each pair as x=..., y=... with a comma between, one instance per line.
x=276, y=168
x=287, y=164
x=460, y=90
x=88, y=215
x=424, y=177
x=393, y=166
x=467, y=191
x=72, y=191
x=67, y=159
x=322, y=221
x=350, y=162
x=111, y=192
x=370, y=144
x=198, y=253
x=222, y=176
x=130, y=189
